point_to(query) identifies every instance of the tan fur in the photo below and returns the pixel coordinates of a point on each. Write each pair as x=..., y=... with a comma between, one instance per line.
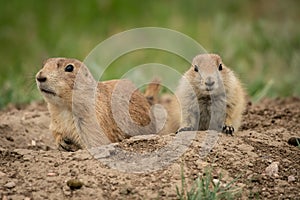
x=72, y=120
x=172, y=106
x=169, y=103
x=225, y=102
x=152, y=91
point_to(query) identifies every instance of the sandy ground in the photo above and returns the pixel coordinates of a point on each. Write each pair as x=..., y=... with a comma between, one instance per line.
x=32, y=168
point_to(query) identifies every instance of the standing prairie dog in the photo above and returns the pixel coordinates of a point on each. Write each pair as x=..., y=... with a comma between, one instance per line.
x=86, y=112
x=211, y=96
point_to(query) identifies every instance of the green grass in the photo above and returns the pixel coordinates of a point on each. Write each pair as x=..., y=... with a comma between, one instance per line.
x=260, y=40
x=298, y=143
x=204, y=188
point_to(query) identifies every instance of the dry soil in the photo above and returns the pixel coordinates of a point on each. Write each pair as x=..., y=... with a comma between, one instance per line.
x=32, y=168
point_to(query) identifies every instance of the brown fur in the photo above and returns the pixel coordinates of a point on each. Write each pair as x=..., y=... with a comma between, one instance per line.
x=72, y=120
x=172, y=106
x=169, y=103
x=196, y=98
x=152, y=91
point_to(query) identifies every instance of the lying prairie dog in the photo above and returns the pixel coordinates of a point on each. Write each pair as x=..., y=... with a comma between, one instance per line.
x=86, y=112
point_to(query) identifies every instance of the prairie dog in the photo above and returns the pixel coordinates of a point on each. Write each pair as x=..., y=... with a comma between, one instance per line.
x=84, y=111
x=170, y=104
x=211, y=96
x=152, y=91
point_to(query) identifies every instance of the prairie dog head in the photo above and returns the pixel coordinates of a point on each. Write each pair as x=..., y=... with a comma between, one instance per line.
x=207, y=73
x=56, y=80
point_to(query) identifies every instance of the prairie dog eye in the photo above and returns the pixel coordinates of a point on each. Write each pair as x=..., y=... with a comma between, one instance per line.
x=196, y=69
x=220, y=67
x=69, y=68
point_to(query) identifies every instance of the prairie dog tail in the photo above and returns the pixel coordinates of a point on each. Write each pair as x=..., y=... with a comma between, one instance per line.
x=152, y=91
x=168, y=101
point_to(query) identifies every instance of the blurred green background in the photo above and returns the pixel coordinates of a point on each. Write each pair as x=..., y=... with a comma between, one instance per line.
x=259, y=39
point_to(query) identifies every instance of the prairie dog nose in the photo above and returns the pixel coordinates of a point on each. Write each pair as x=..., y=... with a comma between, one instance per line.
x=40, y=78
x=209, y=82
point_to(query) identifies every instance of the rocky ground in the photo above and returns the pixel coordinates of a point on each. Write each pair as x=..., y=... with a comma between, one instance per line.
x=32, y=168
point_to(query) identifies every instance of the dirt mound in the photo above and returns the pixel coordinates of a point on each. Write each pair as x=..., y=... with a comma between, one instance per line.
x=30, y=165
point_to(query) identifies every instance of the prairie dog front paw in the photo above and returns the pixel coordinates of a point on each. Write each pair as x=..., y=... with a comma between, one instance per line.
x=228, y=129
x=66, y=144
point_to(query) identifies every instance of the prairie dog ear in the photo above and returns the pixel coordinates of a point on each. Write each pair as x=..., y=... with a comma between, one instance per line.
x=196, y=69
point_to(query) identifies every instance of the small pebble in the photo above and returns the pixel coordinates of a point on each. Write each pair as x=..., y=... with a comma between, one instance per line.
x=216, y=181
x=26, y=198
x=33, y=143
x=51, y=174
x=10, y=185
x=291, y=178
x=74, y=184
x=272, y=169
x=164, y=180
